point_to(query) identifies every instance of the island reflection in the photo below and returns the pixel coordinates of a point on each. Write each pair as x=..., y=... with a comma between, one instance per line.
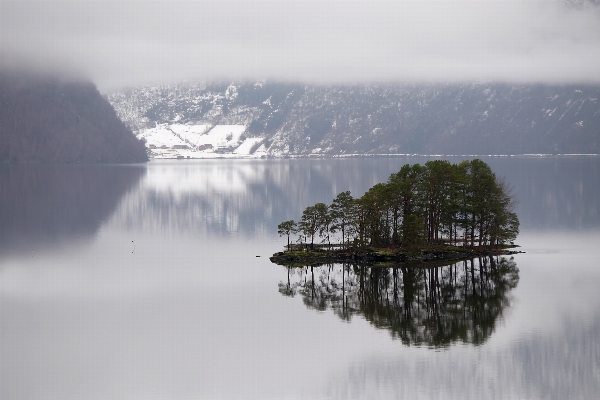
x=421, y=306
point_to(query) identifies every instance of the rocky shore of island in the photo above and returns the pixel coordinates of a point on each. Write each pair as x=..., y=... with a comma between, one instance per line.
x=384, y=256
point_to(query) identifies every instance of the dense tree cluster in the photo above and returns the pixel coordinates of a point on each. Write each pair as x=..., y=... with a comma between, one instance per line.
x=45, y=119
x=461, y=203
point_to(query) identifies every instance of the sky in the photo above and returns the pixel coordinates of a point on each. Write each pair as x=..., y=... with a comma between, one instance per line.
x=130, y=43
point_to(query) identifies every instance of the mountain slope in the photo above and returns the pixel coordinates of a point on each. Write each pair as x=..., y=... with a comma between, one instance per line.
x=45, y=119
x=481, y=118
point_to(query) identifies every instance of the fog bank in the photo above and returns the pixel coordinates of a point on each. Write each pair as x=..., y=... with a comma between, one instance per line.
x=133, y=42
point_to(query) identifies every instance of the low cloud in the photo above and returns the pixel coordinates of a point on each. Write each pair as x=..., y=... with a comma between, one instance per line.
x=135, y=42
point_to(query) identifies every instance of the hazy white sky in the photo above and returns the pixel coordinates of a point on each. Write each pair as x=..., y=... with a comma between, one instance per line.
x=134, y=42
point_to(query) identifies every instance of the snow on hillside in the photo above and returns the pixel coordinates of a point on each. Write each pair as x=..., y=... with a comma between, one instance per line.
x=199, y=141
x=224, y=136
x=161, y=135
x=303, y=120
x=190, y=133
x=246, y=147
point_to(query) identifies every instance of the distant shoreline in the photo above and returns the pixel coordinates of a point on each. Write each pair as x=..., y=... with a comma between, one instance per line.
x=210, y=156
x=216, y=156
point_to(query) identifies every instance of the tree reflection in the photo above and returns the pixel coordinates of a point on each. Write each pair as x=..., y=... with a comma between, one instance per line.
x=422, y=306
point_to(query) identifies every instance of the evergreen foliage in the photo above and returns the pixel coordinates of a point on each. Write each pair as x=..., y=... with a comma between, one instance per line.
x=439, y=202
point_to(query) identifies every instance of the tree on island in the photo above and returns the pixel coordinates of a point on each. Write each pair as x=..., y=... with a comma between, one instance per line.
x=341, y=214
x=420, y=205
x=287, y=228
x=313, y=220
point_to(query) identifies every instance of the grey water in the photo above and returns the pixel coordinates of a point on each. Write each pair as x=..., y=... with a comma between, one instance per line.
x=153, y=282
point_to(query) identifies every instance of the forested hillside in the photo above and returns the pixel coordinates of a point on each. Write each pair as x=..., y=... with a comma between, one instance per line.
x=483, y=118
x=46, y=119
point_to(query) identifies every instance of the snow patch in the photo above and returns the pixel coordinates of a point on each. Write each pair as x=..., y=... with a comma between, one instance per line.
x=194, y=141
x=246, y=147
x=159, y=136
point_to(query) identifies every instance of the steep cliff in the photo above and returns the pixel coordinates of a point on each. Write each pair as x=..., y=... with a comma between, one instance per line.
x=47, y=119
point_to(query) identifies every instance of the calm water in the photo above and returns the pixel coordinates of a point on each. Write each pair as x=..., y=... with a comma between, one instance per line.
x=143, y=282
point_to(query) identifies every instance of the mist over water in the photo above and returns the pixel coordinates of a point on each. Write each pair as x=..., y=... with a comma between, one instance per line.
x=129, y=282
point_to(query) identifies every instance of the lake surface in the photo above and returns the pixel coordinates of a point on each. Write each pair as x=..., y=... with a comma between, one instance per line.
x=144, y=282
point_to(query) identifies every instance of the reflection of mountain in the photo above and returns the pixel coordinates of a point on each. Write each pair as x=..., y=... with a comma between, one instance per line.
x=557, y=192
x=543, y=365
x=436, y=307
x=41, y=205
x=242, y=196
x=220, y=197
x=559, y=365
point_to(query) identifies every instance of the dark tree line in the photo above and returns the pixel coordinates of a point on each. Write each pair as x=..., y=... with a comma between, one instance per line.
x=437, y=202
x=45, y=119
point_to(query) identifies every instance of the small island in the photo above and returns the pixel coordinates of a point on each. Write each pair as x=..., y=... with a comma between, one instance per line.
x=424, y=213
